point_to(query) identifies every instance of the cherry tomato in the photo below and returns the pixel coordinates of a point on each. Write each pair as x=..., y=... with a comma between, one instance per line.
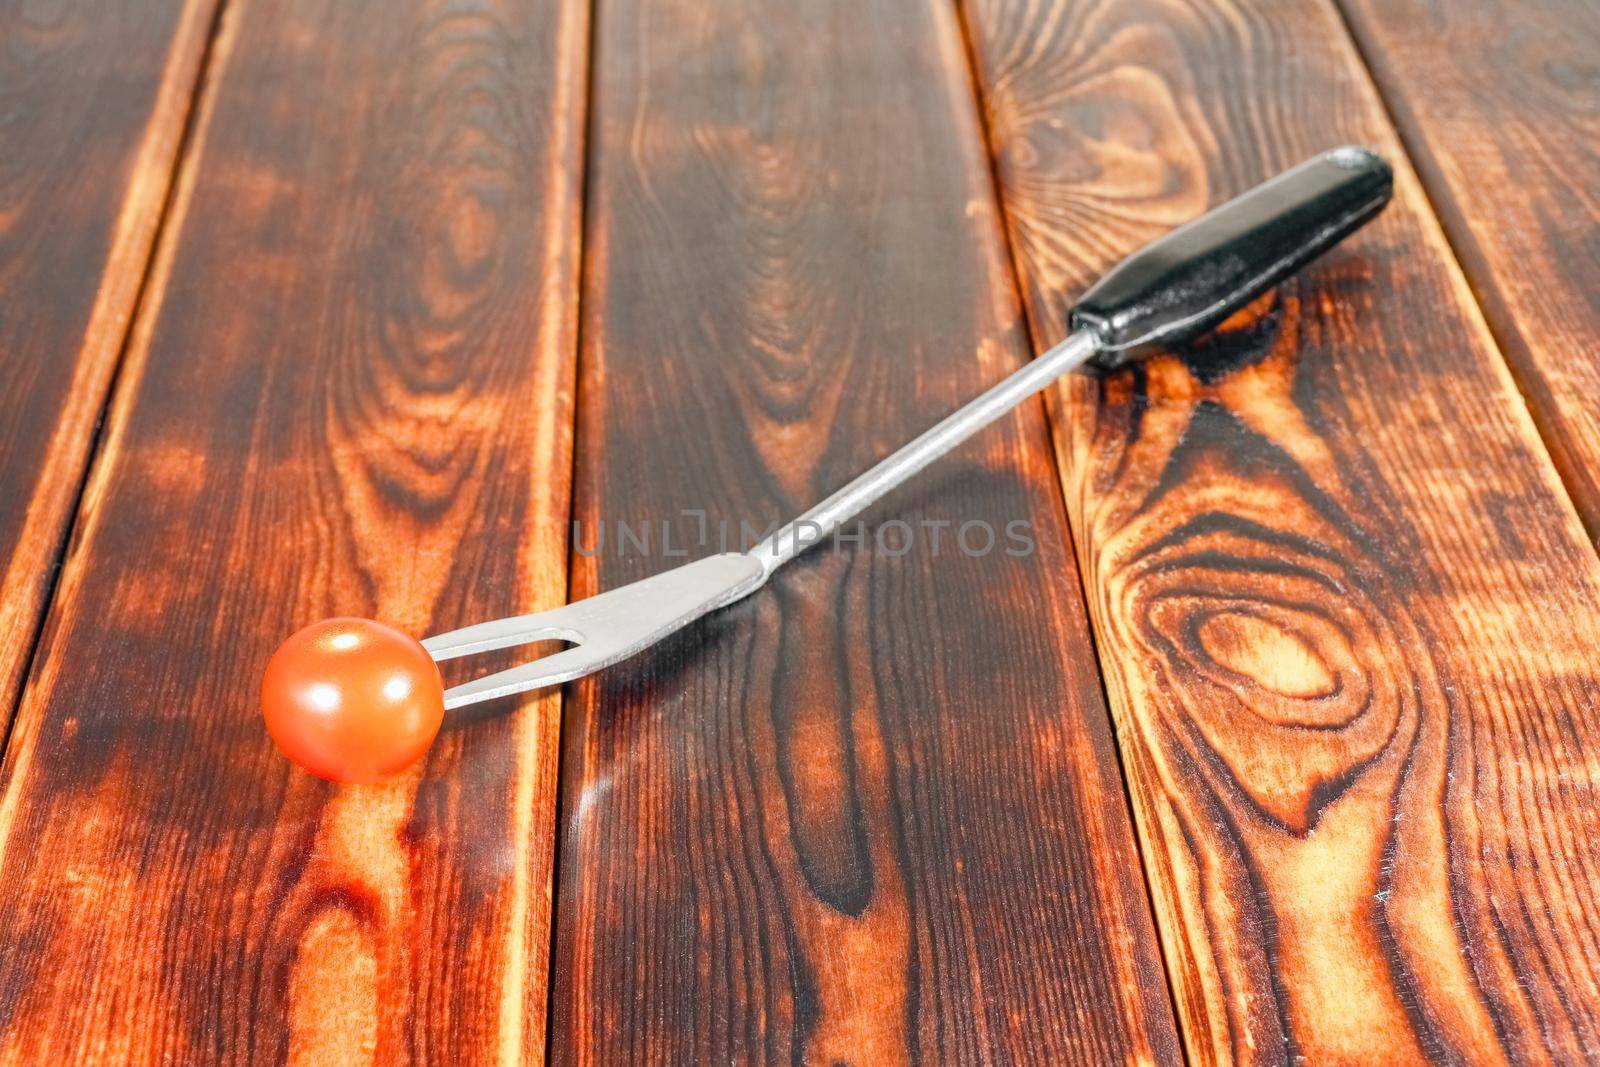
x=352, y=700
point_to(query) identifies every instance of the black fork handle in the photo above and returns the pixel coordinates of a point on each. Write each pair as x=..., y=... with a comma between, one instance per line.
x=1181, y=285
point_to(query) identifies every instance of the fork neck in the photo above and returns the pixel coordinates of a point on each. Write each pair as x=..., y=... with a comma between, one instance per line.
x=821, y=521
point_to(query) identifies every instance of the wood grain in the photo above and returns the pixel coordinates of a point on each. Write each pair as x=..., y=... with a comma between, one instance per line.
x=1499, y=104
x=871, y=815
x=92, y=108
x=1346, y=614
x=350, y=392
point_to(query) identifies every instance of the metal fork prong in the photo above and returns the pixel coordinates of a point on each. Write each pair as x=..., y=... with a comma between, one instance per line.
x=563, y=666
x=552, y=625
x=608, y=627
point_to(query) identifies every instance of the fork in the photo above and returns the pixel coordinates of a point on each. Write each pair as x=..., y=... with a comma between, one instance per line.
x=1166, y=293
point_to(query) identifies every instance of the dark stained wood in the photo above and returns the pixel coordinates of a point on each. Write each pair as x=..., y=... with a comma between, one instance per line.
x=1499, y=104
x=1346, y=614
x=92, y=107
x=872, y=814
x=350, y=393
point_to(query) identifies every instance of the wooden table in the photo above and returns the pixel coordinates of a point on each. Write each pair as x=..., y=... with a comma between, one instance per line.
x=1281, y=741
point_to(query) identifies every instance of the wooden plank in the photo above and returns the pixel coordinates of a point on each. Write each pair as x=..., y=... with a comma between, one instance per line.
x=1345, y=612
x=871, y=814
x=92, y=108
x=1496, y=103
x=350, y=394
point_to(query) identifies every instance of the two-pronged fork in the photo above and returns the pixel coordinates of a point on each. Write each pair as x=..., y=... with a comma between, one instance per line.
x=1167, y=292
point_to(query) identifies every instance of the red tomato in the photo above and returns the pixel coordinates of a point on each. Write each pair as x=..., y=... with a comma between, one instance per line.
x=352, y=700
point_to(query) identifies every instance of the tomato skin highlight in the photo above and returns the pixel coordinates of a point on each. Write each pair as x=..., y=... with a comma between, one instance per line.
x=352, y=700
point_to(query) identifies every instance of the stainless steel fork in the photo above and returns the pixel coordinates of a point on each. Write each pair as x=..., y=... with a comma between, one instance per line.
x=1165, y=293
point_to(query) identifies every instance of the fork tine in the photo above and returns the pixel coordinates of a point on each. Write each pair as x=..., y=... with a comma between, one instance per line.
x=607, y=627
x=554, y=669
x=555, y=624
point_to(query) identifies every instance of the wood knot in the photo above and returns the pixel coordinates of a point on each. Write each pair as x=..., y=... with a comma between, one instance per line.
x=1267, y=653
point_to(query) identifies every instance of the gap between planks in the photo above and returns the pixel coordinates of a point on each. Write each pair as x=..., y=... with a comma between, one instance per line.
x=580, y=273
x=1014, y=269
x=1441, y=202
x=199, y=86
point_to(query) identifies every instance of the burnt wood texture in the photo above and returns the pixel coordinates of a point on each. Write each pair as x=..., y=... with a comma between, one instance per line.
x=873, y=814
x=348, y=391
x=1345, y=611
x=1499, y=104
x=92, y=108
